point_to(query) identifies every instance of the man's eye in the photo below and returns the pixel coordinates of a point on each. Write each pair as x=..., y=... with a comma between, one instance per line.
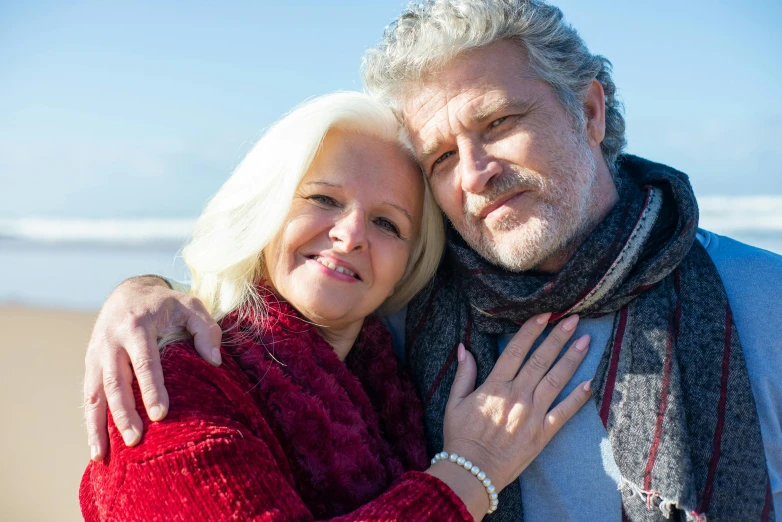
x=497, y=121
x=442, y=158
x=388, y=226
x=323, y=200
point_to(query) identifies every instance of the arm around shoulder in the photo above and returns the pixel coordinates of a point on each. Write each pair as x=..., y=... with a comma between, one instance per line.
x=135, y=315
x=215, y=458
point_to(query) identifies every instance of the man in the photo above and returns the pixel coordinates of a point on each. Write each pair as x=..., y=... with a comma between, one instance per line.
x=517, y=128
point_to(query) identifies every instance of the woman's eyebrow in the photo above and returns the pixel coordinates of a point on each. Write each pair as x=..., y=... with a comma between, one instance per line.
x=337, y=185
x=400, y=209
x=326, y=183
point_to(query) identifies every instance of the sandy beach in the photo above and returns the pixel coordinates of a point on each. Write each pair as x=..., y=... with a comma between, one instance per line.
x=43, y=447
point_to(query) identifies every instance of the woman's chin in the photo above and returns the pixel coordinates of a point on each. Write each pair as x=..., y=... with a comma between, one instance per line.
x=327, y=312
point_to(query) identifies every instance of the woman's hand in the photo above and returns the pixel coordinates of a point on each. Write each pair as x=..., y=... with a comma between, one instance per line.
x=505, y=423
x=124, y=341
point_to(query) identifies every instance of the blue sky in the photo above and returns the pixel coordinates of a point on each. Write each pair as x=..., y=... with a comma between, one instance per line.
x=130, y=109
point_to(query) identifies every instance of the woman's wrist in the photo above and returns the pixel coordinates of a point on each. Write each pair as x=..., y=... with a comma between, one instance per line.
x=475, y=471
x=465, y=485
x=494, y=466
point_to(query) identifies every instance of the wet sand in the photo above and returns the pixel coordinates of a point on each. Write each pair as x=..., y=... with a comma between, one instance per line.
x=43, y=447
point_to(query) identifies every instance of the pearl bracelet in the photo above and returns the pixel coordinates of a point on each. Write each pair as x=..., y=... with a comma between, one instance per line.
x=476, y=472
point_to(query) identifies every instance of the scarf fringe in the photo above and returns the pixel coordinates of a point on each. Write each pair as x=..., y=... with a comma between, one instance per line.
x=653, y=499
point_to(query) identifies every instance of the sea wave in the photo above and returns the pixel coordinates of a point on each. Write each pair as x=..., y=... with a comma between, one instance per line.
x=720, y=214
x=731, y=214
x=100, y=231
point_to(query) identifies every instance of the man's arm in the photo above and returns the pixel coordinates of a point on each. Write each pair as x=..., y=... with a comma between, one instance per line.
x=124, y=342
x=216, y=458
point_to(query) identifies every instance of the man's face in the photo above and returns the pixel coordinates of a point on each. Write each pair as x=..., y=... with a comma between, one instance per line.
x=503, y=158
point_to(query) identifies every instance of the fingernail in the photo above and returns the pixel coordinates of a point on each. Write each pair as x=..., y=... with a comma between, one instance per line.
x=460, y=353
x=587, y=386
x=570, y=323
x=216, y=358
x=543, y=318
x=155, y=413
x=129, y=436
x=93, y=452
x=582, y=343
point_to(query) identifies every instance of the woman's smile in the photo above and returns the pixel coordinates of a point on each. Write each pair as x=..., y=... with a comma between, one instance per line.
x=334, y=268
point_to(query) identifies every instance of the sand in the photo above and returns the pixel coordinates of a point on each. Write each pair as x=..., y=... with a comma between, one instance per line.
x=43, y=445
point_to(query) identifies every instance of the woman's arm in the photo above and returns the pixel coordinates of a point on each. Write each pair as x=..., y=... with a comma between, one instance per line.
x=215, y=458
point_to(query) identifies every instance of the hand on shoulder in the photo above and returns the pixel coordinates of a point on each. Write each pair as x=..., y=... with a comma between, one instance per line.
x=124, y=341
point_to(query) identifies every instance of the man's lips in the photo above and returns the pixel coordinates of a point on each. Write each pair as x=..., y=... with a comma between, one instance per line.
x=499, y=202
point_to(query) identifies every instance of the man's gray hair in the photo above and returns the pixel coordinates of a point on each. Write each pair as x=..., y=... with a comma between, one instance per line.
x=430, y=33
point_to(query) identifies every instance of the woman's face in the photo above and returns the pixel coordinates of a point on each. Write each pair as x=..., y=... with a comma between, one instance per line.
x=350, y=232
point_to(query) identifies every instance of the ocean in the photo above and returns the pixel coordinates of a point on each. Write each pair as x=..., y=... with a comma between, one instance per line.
x=75, y=264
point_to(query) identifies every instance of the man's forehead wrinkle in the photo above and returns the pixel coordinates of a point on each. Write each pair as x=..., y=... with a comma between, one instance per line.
x=439, y=85
x=481, y=105
x=415, y=109
x=445, y=122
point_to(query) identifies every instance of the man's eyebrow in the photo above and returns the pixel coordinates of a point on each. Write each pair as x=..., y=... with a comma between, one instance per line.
x=489, y=110
x=479, y=116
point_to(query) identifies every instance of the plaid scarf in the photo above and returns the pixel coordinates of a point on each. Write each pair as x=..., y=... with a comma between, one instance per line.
x=672, y=388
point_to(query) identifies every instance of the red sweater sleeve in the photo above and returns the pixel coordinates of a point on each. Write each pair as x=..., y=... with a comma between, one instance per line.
x=215, y=458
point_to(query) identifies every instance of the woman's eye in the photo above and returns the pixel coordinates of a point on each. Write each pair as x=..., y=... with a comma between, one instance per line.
x=388, y=226
x=323, y=200
x=497, y=121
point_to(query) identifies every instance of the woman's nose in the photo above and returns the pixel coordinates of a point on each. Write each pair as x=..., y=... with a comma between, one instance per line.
x=350, y=232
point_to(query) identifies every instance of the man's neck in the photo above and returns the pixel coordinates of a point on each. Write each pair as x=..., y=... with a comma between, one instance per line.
x=604, y=197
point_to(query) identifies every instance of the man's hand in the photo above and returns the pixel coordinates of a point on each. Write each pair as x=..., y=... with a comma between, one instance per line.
x=135, y=315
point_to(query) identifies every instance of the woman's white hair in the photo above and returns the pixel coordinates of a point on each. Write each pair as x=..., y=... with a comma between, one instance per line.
x=225, y=254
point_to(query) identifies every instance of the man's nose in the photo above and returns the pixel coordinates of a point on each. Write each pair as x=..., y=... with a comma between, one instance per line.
x=349, y=233
x=476, y=168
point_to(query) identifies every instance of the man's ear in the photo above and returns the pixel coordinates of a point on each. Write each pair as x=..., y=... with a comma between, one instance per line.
x=595, y=111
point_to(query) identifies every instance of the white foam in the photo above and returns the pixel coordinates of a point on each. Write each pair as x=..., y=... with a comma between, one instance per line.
x=720, y=214
x=136, y=231
x=726, y=214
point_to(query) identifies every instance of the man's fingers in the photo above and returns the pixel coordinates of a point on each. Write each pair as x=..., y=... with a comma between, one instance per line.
x=466, y=372
x=145, y=358
x=510, y=360
x=95, y=417
x=562, y=413
x=119, y=395
x=544, y=356
x=551, y=385
x=206, y=333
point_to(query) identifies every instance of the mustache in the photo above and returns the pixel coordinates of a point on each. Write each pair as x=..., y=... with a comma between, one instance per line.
x=512, y=181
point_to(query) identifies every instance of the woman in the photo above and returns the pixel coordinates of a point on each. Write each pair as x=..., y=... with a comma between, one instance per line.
x=327, y=221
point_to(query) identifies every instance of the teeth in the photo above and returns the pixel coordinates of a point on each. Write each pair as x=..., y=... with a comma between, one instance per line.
x=332, y=266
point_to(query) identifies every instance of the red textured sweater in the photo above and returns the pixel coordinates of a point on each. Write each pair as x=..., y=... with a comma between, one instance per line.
x=282, y=431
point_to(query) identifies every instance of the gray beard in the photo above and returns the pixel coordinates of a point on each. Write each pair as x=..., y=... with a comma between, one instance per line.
x=560, y=225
